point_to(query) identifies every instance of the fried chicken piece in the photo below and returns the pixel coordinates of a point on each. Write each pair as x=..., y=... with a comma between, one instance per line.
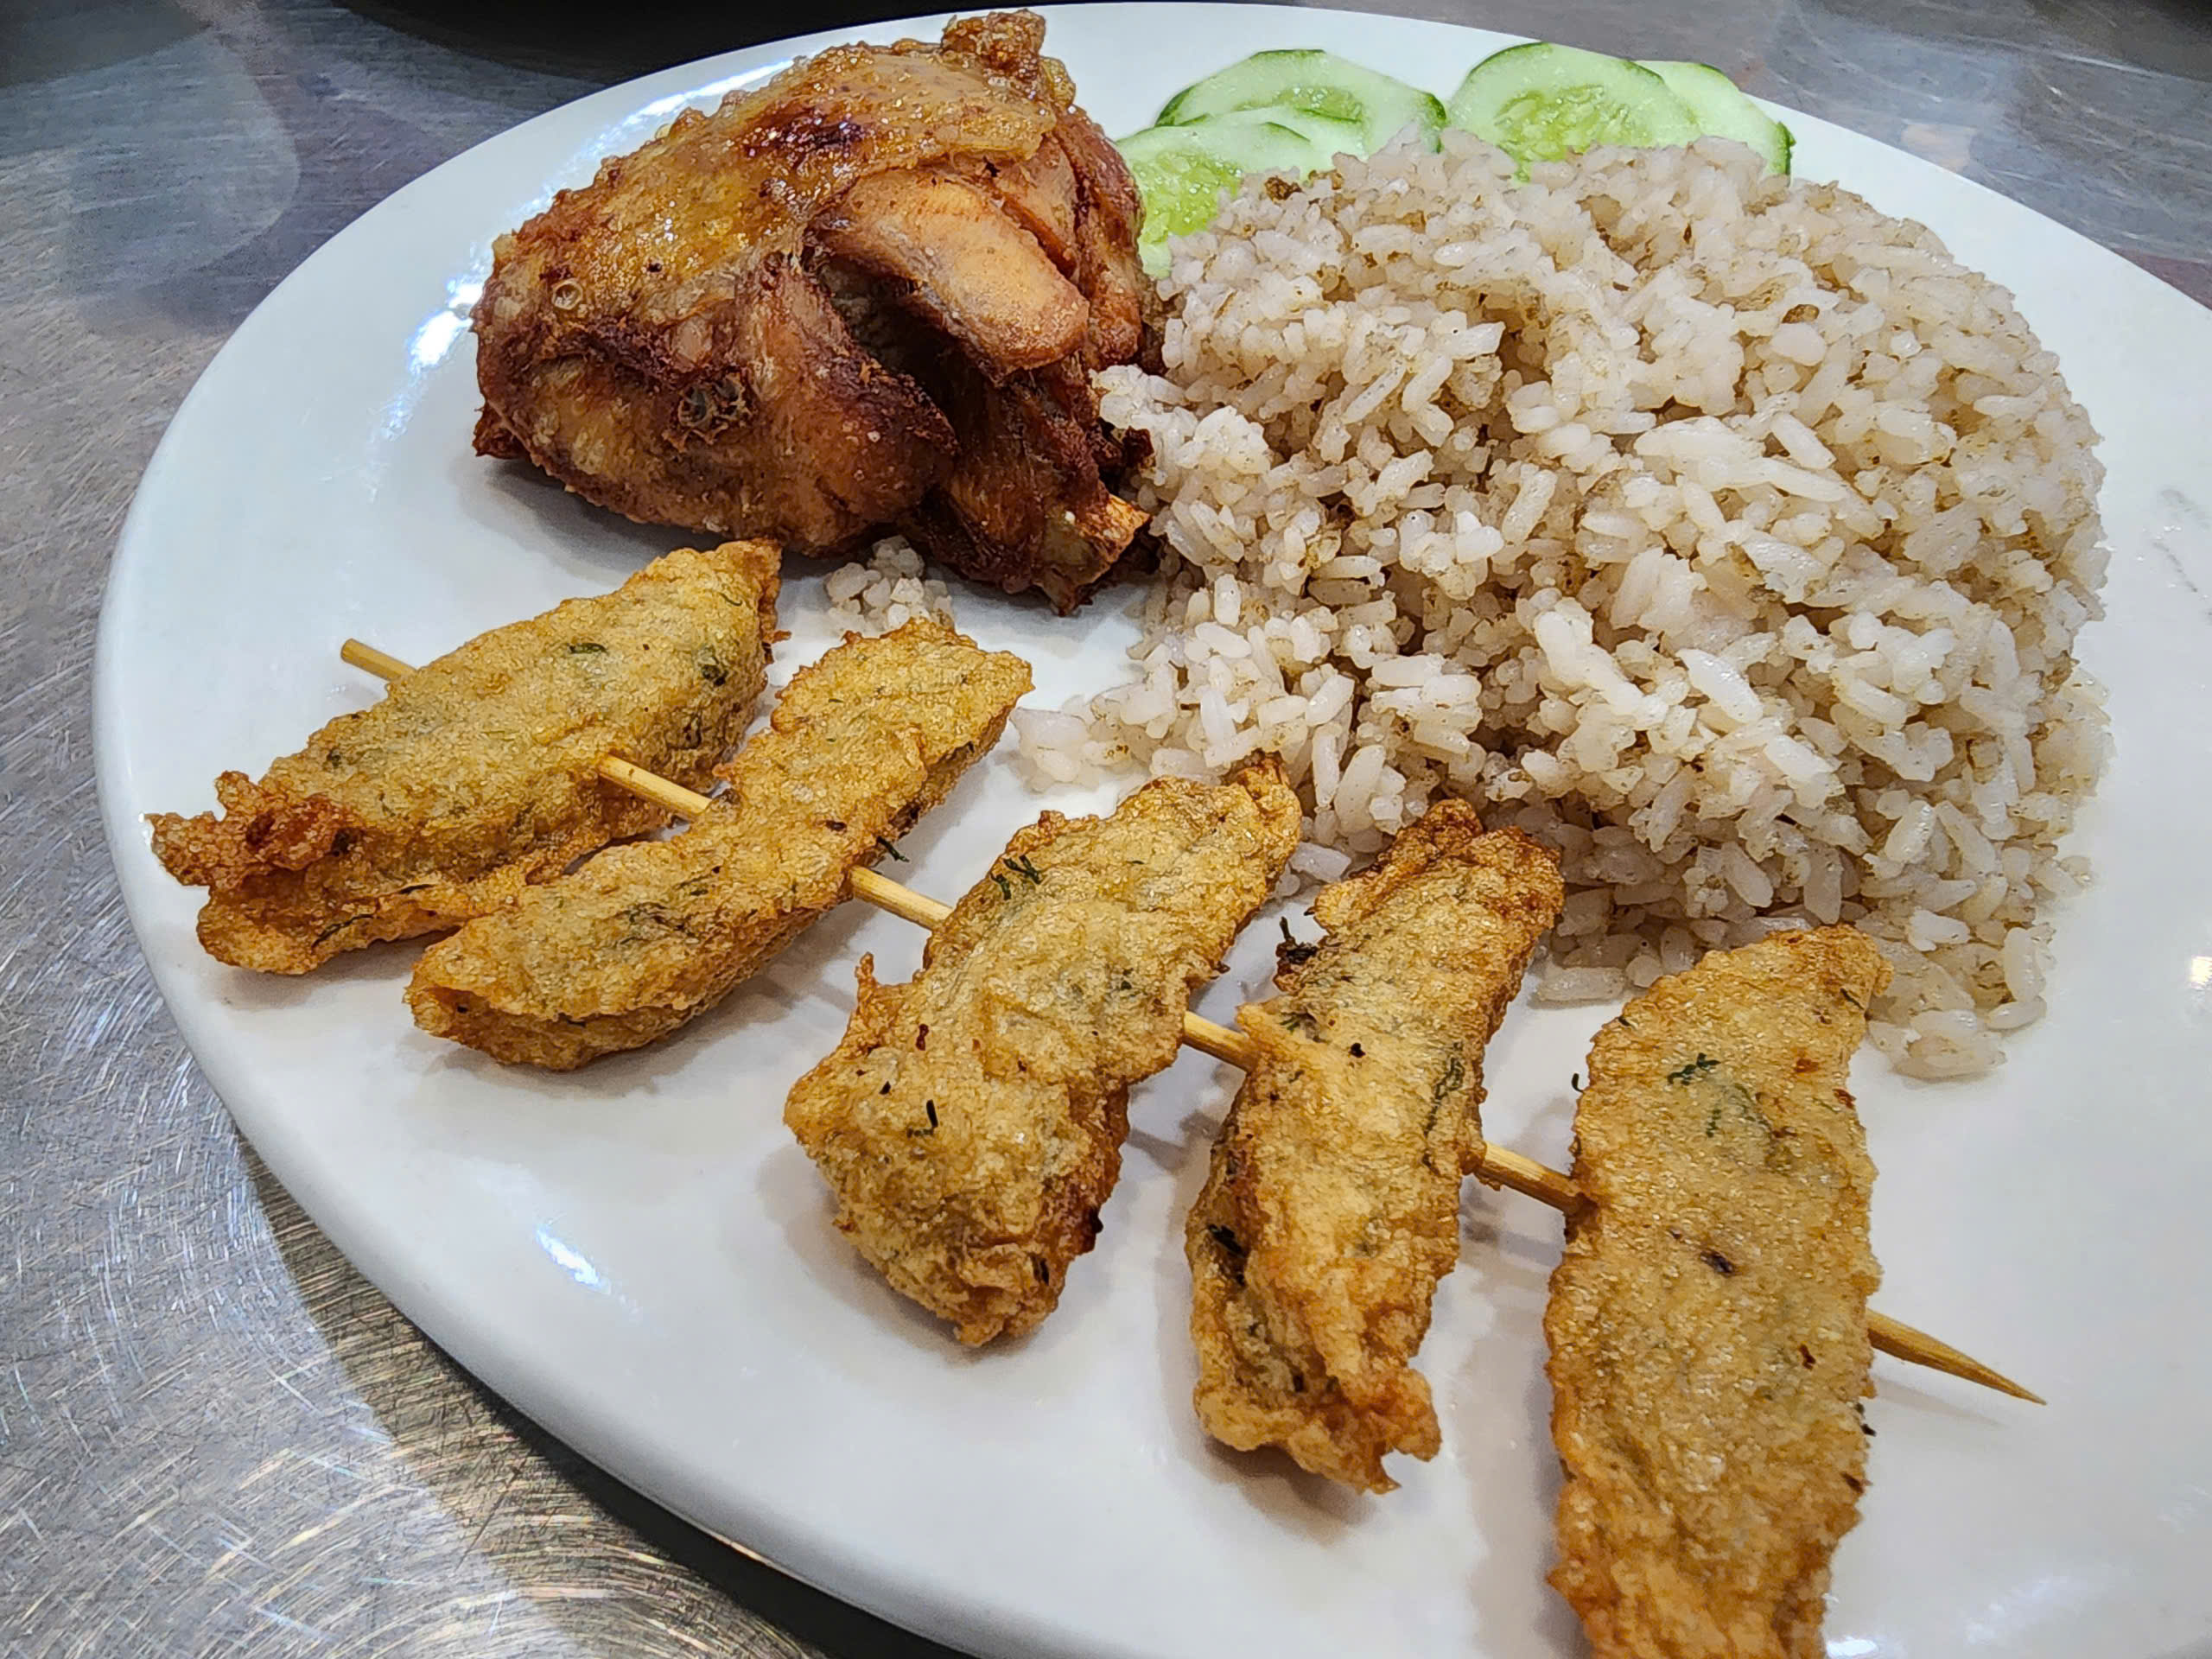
x=962, y=263
x=1332, y=1206
x=646, y=937
x=1040, y=191
x=1026, y=500
x=476, y=775
x=970, y=1123
x=1709, y=1322
x=1029, y=479
x=1108, y=267
x=692, y=339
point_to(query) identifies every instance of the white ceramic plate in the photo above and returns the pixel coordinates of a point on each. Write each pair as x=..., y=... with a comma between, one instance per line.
x=641, y=1258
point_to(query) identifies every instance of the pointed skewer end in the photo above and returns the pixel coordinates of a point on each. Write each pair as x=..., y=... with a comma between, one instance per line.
x=1903, y=1342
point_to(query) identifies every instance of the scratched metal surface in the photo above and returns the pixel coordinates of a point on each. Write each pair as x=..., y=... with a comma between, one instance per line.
x=214, y=1436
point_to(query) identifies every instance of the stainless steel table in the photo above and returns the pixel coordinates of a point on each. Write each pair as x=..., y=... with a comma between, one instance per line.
x=215, y=1437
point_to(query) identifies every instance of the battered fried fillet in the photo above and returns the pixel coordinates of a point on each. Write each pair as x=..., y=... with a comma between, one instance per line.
x=645, y=937
x=1709, y=1322
x=970, y=1123
x=1332, y=1208
x=476, y=774
x=699, y=337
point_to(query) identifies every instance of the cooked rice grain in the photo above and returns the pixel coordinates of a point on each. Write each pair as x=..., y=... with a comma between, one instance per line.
x=887, y=591
x=1723, y=533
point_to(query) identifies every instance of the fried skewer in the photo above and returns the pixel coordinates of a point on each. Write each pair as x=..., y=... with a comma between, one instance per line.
x=1499, y=1167
x=970, y=1121
x=474, y=778
x=1708, y=1318
x=644, y=937
x=1330, y=1210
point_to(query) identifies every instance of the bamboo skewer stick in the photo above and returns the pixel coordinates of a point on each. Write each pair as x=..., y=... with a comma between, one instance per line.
x=1499, y=1167
x=382, y=664
x=1502, y=1167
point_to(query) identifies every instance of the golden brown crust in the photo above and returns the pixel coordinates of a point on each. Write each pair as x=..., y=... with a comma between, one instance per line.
x=970, y=1121
x=647, y=936
x=665, y=341
x=1009, y=46
x=758, y=415
x=1331, y=1210
x=1109, y=269
x=1708, y=1320
x=639, y=337
x=262, y=830
x=476, y=774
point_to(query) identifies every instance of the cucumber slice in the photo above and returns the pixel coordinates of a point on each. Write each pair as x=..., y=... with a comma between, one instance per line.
x=1182, y=171
x=1540, y=102
x=1329, y=136
x=1318, y=83
x=1722, y=110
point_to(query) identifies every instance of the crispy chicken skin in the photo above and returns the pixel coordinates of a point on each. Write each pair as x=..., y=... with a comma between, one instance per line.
x=476, y=775
x=646, y=937
x=1332, y=1207
x=1708, y=1321
x=970, y=1123
x=771, y=319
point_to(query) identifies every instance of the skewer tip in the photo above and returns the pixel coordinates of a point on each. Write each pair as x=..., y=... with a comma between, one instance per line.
x=1903, y=1342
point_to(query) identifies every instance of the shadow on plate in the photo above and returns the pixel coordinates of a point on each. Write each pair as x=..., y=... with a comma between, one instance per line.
x=1503, y=1591
x=1508, y=1271
x=601, y=545
x=390, y=960
x=588, y=541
